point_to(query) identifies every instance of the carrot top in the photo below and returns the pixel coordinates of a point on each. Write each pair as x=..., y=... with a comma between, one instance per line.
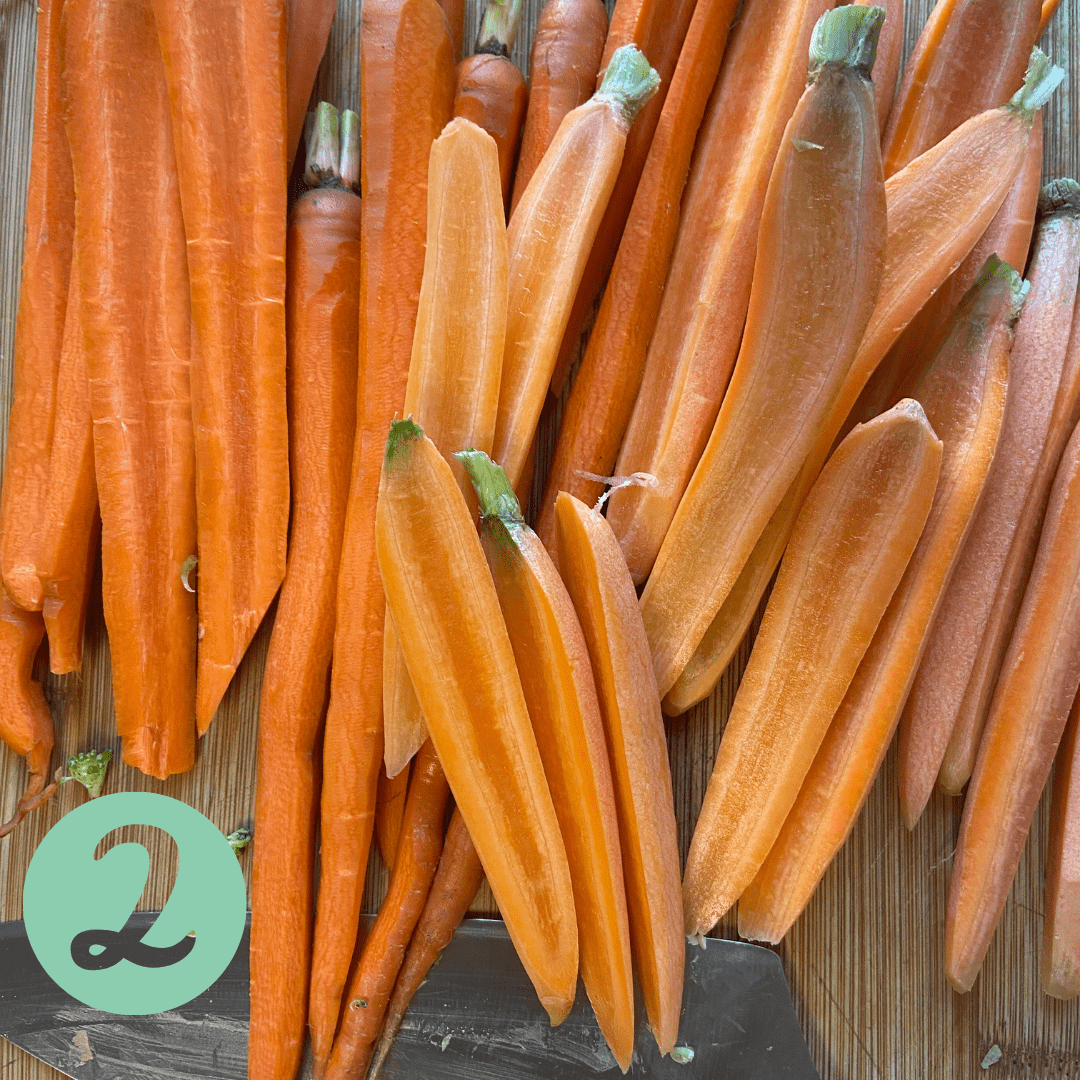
x=499, y=27
x=403, y=433
x=494, y=491
x=1059, y=197
x=628, y=83
x=1040, y=81
x=333, y=151
x=846, y=36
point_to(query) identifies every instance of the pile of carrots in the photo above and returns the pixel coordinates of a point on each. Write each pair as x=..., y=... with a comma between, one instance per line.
x=814, y=355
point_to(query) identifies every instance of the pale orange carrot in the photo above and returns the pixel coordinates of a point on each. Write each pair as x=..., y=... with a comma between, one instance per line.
x=889, y=52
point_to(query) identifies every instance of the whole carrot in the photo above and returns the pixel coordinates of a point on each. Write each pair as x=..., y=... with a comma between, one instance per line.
x=407, y=87
x=307, y=27
x=384, y=948
x=322, y=308
x=565, y=58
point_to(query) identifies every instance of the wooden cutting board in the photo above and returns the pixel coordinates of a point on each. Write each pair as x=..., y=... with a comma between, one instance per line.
x=865, y=962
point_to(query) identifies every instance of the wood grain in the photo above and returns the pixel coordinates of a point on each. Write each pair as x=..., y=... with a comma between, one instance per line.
x=865, y=962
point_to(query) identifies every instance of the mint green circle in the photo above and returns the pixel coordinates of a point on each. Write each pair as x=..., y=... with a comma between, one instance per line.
x=68, y=891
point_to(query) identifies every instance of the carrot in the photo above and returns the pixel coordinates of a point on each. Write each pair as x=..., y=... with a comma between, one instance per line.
x=418, y=856
x=491, y=92
x=462, y=665
x=322, y=313
x=971, y=628
x=307, y=25
x=557, y=680
x=963, y=395
x=457, y=351
x=854, y=536
x=454, y=10
x=1059, y=967
x=452, y=890
x=610, y=373
x=1039, y=679
x=133, y=271
x=823, y=221
x=700, y=320
x=657, y=28
x=963, y=181
x=889, y=51
x=563, y=64
x=603, y=595
x=389, y=810
x=232, y=190
x=549, y=238
x=407, y=87
x=1046, y=13
x=39, y=325
x=969, y=57
x=25, y=724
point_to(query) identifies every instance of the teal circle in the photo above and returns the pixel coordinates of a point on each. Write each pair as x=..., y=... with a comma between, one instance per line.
x=68, y=891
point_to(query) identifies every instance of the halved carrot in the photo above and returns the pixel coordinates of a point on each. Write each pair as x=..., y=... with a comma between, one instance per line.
x=823, y=222
x=549, y=239
x=462, y=665
x=567, y=44
x=307, y=29
x=963, y=396
x=1040, y=675
x=889, y=52
x=971, y=629
x=852, y=540
x=700, y=319
x=457, y=352
x=133, y=271
x=603, y=594
x=407, y=91
x=322, y=308
x=1047, y=13
x=454, y=10
x=557, y=680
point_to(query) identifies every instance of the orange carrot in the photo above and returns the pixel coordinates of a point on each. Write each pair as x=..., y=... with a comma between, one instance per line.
x=963, y=395
x=133, y=271
x=853, y=538
x=454, y=10
x=307, y=25
x=39, y=326
x=452, y=890
x=890, y=50
x=389, y=810
x=407, y=87
x=383, y=952
x=1046, y=14
x=322, y=322
x=563, y=64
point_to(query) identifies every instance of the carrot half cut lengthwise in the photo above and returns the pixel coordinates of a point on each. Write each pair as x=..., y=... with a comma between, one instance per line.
x=823, y=222
x=557, y=679
x=963, y=395
x=851, y=543
x=232, y=189
x=603, y=594
x=307, y=27
x=132, y=267
x=389, y=810
x=549, y=239
x=407, y=91
x=462, y=665
x=322, y=307
x=26, y=725
x=384, y=948
x=1038, y=684
x=457, y=352
x=39, y=325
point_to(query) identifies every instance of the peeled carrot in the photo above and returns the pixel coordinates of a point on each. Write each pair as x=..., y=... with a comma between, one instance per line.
x=307, y=25
x=609, y=376
x=700, y=319
x=853, y=538
x=407, y=88
x=491, y=91
x=1059, y=967
x=549, y=239
x=967, y=632
x=565, y=58
x=557, y=680
x=462, y=665
x=454, y=10
x=39, y=325
x=889, y=52
x=823, y=221
x=26, y=724
x=457, y=351
x=963, y=396
x=322, y=309
x=384, y=949
x=603, y=595
x=133, y=271
x=232, y=190
x=452, y=890
x=1046, y=14
x=1040, y=675
x=389, y=810
x=963, y=181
